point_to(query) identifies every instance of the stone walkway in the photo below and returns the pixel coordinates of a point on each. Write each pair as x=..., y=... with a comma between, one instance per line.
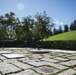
x=52, y=63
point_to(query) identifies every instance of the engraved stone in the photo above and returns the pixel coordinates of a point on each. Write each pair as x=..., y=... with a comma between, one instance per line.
x=13, y=55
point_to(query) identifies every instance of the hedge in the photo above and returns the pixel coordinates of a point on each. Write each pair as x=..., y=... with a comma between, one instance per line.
x=69, y=45
x=17, y=43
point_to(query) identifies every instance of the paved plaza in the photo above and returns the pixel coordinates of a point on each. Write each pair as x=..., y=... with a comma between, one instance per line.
x=54, y=62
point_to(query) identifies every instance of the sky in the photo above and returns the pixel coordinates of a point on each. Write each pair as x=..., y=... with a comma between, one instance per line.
x=61, y=11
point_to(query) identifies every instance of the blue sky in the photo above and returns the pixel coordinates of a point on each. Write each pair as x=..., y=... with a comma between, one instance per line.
x=61, y=11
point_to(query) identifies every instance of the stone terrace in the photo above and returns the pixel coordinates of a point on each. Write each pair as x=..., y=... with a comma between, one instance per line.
x=52, y=63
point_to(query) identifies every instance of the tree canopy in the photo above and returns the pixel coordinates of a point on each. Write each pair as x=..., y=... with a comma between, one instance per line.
x=28, y=29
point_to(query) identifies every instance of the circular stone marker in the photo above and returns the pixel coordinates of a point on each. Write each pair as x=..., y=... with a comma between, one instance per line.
x=39, y=51
x=46, y=70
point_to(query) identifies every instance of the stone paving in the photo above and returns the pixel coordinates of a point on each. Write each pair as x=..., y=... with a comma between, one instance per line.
x=52, y=63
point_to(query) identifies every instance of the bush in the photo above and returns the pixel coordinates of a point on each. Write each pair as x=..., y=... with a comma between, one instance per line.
x=17, y=43
x=68, y=45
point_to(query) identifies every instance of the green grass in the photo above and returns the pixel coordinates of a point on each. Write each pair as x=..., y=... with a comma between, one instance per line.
x=63, y=36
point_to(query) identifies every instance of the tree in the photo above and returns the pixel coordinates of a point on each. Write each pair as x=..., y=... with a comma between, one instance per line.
x=55, y=31
x=3, y=32
x=73, y=25
x=43, y=25
x=60, y=29
x=66, y=28
x=26, y=28
x=19, y=32
x=17, y=29
x=10, y=21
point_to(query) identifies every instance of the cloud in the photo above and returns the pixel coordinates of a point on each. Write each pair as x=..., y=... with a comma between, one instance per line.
x=57, y=22
x=20, y=6
x=61, y=23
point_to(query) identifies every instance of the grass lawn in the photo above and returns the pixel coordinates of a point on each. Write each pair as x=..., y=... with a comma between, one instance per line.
x=63, y=36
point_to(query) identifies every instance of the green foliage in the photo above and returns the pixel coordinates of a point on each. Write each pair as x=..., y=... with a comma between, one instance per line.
x=68, y=45
x=73, y=25
x=57, y=31
x=19, y=32
x=16, y=43
x=43, y=26
x=28, y=23
x=3, y=33
x=64, y=36
x=60, y=29
x=8, y=21
x=10, y=24
x=66, y=28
